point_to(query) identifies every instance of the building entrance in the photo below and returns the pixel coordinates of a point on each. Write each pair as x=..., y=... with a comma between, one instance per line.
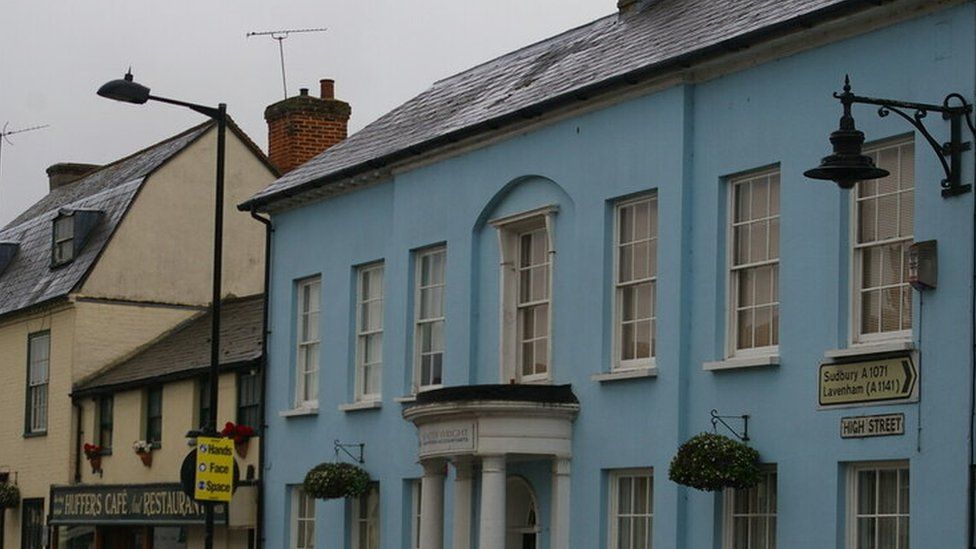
x=522, y=516
x=121, y=537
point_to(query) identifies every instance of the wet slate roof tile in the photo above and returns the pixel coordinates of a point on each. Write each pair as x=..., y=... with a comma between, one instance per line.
x=29, y=279
x=186, y=348
x=555, y=69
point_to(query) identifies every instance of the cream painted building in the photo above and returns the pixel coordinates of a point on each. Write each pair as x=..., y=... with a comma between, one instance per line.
x=111, y=260
x=159, y=396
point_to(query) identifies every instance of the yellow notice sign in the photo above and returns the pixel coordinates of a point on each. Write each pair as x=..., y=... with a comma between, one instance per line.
x=214, y=469
x=890, y=379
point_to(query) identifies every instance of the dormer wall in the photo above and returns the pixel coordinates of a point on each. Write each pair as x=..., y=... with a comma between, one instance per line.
x=162, y=251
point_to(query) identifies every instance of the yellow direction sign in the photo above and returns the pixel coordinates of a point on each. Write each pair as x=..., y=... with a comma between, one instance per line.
x=872, y=381
x=214, y=469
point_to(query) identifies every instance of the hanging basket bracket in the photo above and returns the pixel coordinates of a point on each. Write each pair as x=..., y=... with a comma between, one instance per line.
x=743, y=436
x=344, y=448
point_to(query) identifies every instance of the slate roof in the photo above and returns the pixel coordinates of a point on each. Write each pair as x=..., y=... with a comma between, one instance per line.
x=29, y=279
x=185, y=351
x=614, y=51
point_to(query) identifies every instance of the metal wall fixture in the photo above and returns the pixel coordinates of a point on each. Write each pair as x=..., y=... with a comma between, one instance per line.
x=128, y=91
x=344, y=448
x=848, y=165
x=743, y=436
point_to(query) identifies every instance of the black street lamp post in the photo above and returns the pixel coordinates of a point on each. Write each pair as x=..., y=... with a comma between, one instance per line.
x=132, y=92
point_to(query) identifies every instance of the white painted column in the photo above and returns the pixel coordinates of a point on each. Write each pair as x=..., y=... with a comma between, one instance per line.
x=560, y=517
x=432, y=504
x=462, y=504
x=491, y=530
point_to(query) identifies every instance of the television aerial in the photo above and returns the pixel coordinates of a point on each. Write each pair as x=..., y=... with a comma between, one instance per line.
x=6, y=133
x=280, y=36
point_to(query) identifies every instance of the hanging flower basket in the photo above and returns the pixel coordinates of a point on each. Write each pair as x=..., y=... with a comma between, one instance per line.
x=712, y=462
x=241, y=434
x=336, y=480
x=9, y=495
x=93, y=453
x=143, y=449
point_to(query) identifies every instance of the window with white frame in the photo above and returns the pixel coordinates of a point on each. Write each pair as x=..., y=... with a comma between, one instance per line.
x=878, y=505
x=307, y=353
x=303, y=519
x=64, y=239
x=416, y=496
x=884, y=213
x=527, y=251
x=533, y=304
x=366, y=519
x=750, y=514
x=631, y=509
x=429, y=318
x=38, y=372
x=369, y=332
x=635, y=283
x=754, y=262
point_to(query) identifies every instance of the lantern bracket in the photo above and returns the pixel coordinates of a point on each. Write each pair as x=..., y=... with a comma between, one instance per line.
x=952, y=184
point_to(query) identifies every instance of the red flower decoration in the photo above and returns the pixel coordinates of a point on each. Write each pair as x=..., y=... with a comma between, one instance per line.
x=239, y=433
x=92, y=450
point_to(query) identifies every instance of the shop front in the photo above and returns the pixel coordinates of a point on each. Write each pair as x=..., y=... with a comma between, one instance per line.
x=144, y=516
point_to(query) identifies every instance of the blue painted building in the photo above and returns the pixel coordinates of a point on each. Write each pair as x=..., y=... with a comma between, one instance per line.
x=525, y=288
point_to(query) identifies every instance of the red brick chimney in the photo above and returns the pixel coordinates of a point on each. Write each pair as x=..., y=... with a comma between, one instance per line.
x=301, y=127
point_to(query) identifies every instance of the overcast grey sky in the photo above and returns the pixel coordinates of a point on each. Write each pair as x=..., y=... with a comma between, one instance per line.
x=54, y=55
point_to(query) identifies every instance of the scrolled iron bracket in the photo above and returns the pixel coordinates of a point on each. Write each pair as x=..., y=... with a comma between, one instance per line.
x=950, y=152
x=344, y=448
x=716, y=419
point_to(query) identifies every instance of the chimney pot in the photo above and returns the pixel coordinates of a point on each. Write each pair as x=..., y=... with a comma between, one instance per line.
x=328, y=88
x=303, y=92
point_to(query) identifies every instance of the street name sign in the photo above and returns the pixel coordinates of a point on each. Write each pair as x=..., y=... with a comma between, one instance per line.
x=868, y=382
x=872, y=426
x=214, y=469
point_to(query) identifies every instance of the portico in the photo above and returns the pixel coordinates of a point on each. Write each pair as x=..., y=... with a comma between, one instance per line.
x=480, y=430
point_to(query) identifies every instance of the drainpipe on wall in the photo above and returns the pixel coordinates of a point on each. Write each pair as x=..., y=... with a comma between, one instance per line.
x=971, y=503
x=77, y=443
x=259, y=527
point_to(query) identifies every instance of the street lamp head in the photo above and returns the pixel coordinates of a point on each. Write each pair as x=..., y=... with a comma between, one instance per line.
x=848, y=164
x=125, y=90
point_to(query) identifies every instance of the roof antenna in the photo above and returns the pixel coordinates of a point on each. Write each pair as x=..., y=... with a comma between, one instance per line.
x=4, y=133
x=280, y=36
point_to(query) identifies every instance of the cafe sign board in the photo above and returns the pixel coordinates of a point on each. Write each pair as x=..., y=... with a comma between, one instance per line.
x=877, y=381
x=149, y=504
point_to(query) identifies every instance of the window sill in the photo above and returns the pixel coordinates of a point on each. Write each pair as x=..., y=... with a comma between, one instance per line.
x=736, y=363
x=871, y=349
x=299, y=412
x=406, y=399
x=35, y=434
x=630, y=373
x=364, y=405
